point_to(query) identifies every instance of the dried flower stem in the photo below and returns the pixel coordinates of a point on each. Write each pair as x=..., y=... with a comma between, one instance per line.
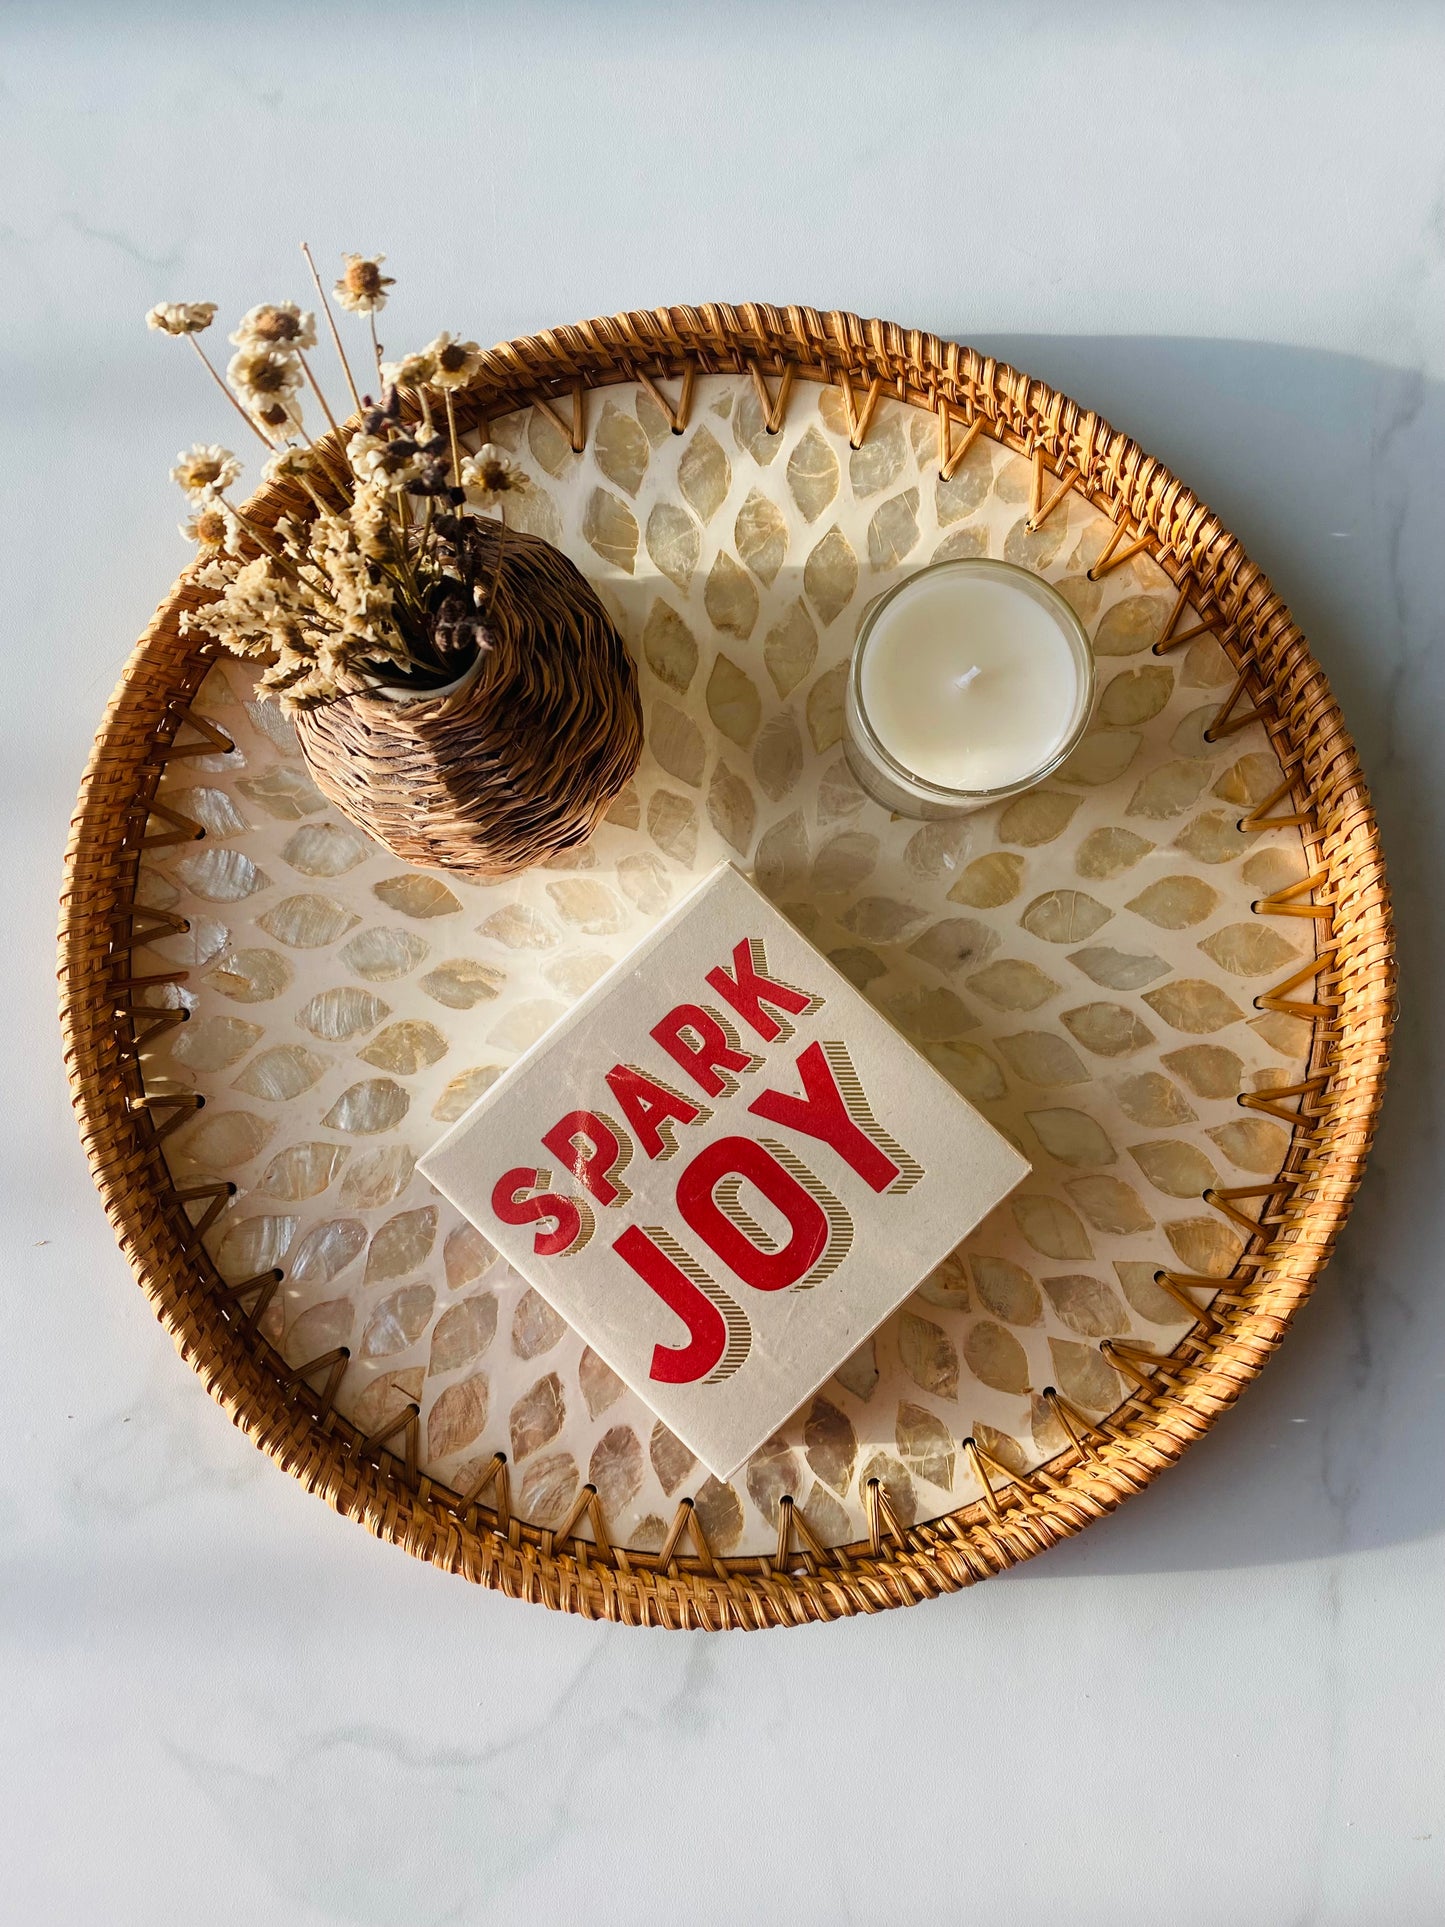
x=452, y=437
x=375, y=347
x=316, y=389
x=249, y=420
x=331, y=324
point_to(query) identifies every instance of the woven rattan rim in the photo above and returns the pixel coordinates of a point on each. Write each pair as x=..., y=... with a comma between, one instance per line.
x=1290, y=1224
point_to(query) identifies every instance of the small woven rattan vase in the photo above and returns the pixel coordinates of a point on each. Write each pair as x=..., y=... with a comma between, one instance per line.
x=515, y=761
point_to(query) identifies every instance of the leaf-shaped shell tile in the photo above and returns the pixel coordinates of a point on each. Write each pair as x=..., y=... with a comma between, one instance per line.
x=282, y=1072
x=1149, y=1098
x=463, y=1332
x=1205, y=1246
x=1106, y=852
x=1006, y=1289
x=989, y=881
x=1144, y=1296
x=401, y=1245
x=893, y=531
x=610, y=527
x=669, y=646
x=730, y=598
x=1254, y=1144
x=460, y=983
x=1193, y=1004
x=616, y=1469
x=881, y=459
x=1050, y=1226
x=772, y=1473
x=1175, y=902
x=458, y=1415
x=733, y=701
x=303, y=1171
x=1083, y=1376
x=925, y=1444
x=830, y=575
x=376, y=1177
x=812, y=474
x=415, y=895
x=536, y=1328
x=537, y=1416
x=704, y=474
x=466, y=1255
x=1072, y=1136
x=1012, y=983
x=781, y=864
x=601, y=1386
x=619, y=448
x=720, y=1514
x=927, y=1354
x=213, y=1043
x=1214, y=837
x=825, y=707
x=1110, y=1205
x=761, y=536
x=221, y=876
x=672, y=825
x=995, y=1357
x=306, y=922
x=406, y=1047
x=1065, y=916
x=1210, y=1070
x=858, y=1373
x=732, y=808
x=213, y=809
x=1135, y=695
x=325, y=1250
x=1131, y=625
x=336, y=1016
x=381, y=956
x=1038, y=816
x=398, y=1322
x=671, y=1460
x=830, y=1443
x=550, y=446
x=319, y=1330
x=220, y=1139
x=1110, y=1030
x=1118, y=969
x=677, y=743
x=284, y=793
x=674, y=543
x=970, y=1070
x=254, y=1245
x=1249, y=949
x=778, y=755
x=1043, y=1057
x=790, y=648
x=363, y=1109
x=326, y=849
x=588, y=905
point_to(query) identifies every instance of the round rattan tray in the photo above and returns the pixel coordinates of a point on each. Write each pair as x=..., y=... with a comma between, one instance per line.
x=1168, y=973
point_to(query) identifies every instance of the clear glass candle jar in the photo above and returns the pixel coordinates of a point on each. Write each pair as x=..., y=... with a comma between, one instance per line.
x=970, y=681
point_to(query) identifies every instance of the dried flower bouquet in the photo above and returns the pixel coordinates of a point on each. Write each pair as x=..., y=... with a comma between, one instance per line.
x=458, y=692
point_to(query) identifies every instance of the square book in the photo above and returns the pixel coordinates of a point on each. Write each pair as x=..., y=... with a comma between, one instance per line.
x=724, y=1168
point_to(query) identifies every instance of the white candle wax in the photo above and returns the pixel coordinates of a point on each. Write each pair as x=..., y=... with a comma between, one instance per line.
x=973, y=678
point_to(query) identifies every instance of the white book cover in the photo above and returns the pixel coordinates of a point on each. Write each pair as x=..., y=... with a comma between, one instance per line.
x=724, y=1168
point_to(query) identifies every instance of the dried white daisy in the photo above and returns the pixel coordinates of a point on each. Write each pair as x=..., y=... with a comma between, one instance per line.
x=362, y=287
x=181, y=317
x=454, y=362
x=276, y=324
x=491, y=475
x=205, y=470
x=212, y=528
x=279, y=416
x=264, y=374
x=288, y=465
x=412, y=371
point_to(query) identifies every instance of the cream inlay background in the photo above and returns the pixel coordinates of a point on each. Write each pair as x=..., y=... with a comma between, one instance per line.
x=1081, y=963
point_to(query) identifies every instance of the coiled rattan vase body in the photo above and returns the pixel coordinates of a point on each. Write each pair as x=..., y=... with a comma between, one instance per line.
x=517, y=760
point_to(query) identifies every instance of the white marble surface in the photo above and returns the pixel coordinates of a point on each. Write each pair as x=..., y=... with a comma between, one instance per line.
x=221, y=1702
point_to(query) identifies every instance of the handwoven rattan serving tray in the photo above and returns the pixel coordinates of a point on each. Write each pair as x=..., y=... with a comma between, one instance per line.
x=1168, y=974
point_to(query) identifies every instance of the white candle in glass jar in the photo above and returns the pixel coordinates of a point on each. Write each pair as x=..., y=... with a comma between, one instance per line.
x=970, y=681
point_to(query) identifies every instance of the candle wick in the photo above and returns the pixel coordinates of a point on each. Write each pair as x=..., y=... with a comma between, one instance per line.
x=962, y=682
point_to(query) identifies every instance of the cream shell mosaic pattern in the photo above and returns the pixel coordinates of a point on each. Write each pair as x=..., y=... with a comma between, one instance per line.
x=1082, y=963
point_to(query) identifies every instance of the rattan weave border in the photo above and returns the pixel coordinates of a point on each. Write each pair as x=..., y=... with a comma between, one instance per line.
x=1291, y=1224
